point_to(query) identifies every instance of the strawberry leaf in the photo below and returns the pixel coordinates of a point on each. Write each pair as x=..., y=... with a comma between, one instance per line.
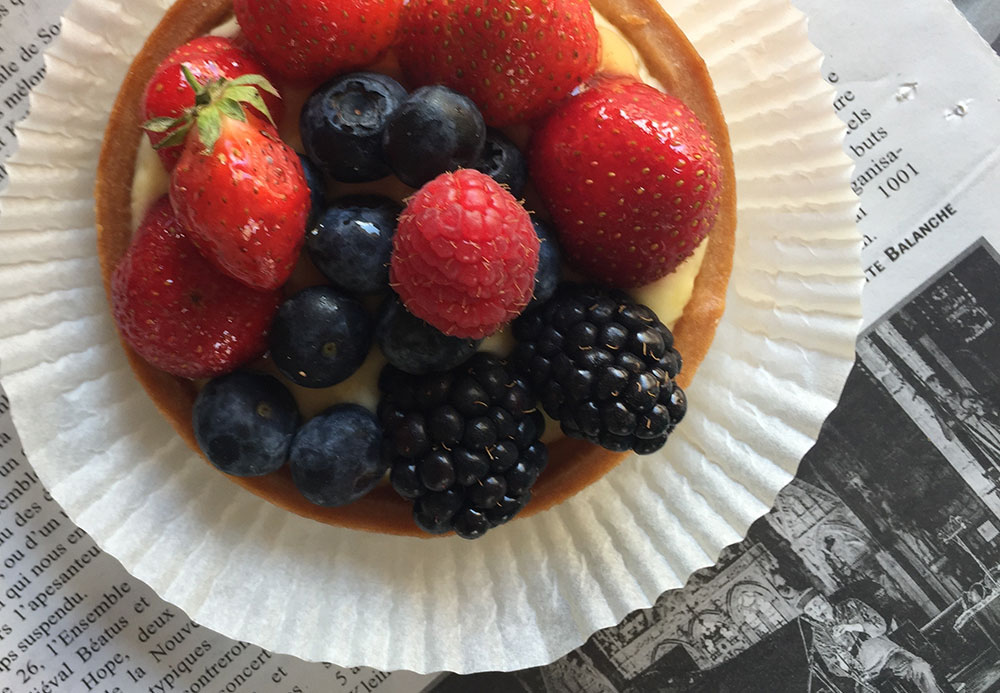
x=214, y=101
x=250, y=96
x=191, y=79
x=209, y=126
x=257, y=102
x=238, y=93
x=232, y=109
x=259, y=81
x=161, y=124
x=175, y=138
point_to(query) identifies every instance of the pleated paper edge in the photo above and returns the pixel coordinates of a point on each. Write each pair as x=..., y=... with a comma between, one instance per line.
x=601, y=505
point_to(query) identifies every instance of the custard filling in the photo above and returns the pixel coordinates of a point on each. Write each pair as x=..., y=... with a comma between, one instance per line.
x=667, y=296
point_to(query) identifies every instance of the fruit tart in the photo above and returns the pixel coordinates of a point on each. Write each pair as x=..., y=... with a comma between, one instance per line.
x=405, y=267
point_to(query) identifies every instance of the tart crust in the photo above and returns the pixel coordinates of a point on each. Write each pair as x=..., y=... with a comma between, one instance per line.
x=573, y=464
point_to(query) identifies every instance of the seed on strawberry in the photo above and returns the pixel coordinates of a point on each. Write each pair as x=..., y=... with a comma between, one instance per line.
x=631, y=178
x=515, y=60
x=209, y=59
x=180, y=313
x=464, y=255
x=311, y=40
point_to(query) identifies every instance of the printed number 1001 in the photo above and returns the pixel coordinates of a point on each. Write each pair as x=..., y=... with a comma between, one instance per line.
x=898, y=179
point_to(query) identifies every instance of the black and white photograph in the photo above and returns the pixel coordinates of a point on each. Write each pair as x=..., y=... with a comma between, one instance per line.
x=878, y=570
x=983, y=15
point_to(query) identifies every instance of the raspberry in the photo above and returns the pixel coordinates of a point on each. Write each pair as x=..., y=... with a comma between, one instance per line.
x=464, y=255
x=604, y=367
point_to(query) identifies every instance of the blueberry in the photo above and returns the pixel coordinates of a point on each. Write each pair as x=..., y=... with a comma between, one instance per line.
x=549, y=263
x=434, y=130
x=503, y=162
x=411, y=345
x=335, y=456
x=320, y=337
x=342, y=122
x=351, y=243
x=317, y=189
x=244, y=423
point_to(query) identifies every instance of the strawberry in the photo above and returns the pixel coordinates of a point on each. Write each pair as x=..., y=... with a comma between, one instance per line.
x=514, y=59
x=311, y=40
x=631, y=179
x=245, y=201
x=464, y=255
x=238, y=189
x=177, y=311
x=209, y=59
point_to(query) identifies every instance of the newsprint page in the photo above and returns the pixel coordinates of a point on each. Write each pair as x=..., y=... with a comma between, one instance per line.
x=877, y=571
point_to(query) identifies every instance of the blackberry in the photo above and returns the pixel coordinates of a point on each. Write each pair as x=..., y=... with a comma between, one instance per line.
x=464, y=445
x=604, y=367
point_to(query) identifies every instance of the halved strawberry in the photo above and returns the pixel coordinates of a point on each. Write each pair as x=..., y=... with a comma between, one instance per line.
x=209, y=59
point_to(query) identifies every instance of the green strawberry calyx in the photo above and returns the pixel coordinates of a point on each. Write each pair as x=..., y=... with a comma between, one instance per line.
x=213, y=101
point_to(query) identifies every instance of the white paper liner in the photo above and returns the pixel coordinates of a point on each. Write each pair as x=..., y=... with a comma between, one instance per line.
x=529, y=592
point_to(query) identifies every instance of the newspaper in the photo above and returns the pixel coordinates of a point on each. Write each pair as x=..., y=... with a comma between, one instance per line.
x=878, y=568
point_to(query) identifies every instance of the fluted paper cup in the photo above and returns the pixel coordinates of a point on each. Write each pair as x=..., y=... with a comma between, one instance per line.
x=522, y=595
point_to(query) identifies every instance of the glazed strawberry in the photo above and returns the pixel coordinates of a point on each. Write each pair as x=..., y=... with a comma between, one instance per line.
x=209, y=58
x=311, y=40
x=177, y=311
x=515, y=60
x=630, y=177
x=464, y=255
x=242, y=194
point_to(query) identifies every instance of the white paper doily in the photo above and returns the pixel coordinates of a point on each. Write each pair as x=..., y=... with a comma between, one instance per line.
x=521, y=596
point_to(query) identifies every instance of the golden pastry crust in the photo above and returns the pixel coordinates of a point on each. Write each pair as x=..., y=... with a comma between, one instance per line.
x=573, y=464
